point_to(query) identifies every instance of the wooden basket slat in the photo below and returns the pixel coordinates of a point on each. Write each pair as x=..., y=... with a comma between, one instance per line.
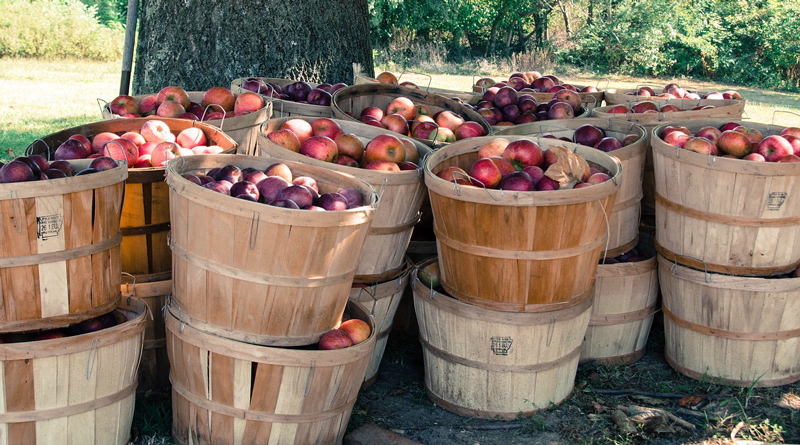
x=401, y=197
x=543, y=246
x=491, y=364
x=740, y=331
x=230, y=392
x=355, y=98
x=223, y=283
x=727, y=215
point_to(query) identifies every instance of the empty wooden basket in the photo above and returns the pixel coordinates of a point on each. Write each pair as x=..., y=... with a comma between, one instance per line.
x=514, y=251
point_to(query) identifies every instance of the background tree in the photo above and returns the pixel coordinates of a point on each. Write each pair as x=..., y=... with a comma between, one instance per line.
x=199, y=44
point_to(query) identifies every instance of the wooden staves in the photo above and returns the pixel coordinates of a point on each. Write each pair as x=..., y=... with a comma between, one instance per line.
x=514, y=251
x=497, y=365
x=355, y=98
x=381, y=300
x=144, y=222
x=260, y=273
x=75, y=390
x=401, y=195
x=224, y=391
x=625, y=302
x=242, y=129
x=154, y=367
x=740, y=331
x=286, y=108
x=726, y=215
x=624, y=220
x=59, y=249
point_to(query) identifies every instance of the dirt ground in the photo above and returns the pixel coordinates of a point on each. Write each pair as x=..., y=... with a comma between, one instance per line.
x=398, y=401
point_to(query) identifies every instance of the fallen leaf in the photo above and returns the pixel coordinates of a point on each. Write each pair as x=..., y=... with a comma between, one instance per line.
x=690, y=401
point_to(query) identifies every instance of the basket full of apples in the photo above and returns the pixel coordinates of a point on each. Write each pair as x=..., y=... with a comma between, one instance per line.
x=527, y=215
x=652, y=112
x=627, y=142
x=276, y=241
x=540, y=87
x=669, y=91
x=59, y=252
x=505, y=107
x=427, y=117
x=145, y=144
x=291, y=97
x=386, y=161
x=237, y=114
x=731, y=185
x=390, y=79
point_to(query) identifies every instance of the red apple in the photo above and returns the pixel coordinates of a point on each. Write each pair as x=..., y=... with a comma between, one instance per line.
x=485, y=172
x=395, y=122
x=100, y=139
x=121, y=149
x=619, y=109
x=774, y=147
x=412, y=154
x=375, y=112
x=326, y=127
x=334, y=339
x=791, y=131
x=753, y=135
x=495, y=147
x=588, y=135
x=280, y=169
x=357, y=330
x=442, y=135
x=383, y=165
x=173, y=93
x=561, y=110
x=148, y=105
x=402, y=106
x=608, y=144
x=286, y=138
x=385, y=147
x=448, y=119
x=154, y=130
x=248, y=102
x=456, y=175
x=124, y=104
x=710, y=133
x=700, y=145
x=301, y=128
x=734, y=143
x=350, y=145
x=641, y=107
x=524, y=152
x=191, y=137
x=754, y=157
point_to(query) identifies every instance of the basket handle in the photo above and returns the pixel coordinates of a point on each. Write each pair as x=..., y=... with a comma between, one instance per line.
x=29, y=149
x=674, y=267
x=608, y=82
x=102, y=104
x=430, y=78
x=774, y=113
x=224, y=114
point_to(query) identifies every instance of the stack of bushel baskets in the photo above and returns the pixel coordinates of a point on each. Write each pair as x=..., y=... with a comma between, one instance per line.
x=626, y=288
x=728, y=237
x=382, y=271
x=254, y=288
x=503, y=334
x=70, y=345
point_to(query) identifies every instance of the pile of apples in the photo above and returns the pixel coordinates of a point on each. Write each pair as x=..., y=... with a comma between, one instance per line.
x=99, y=323
x=595, y=137
x=734, y=140
x=533, y=82
x=300, y=92
x=673, y=91
x=515, y=166
x=174, y=102
x=37, y=168
x=152, y=146
x=351, y=331
x=505, y=106
x=325, y=140
x=390, y=79
x=631, y=256
x=275, y=186
x=648, y=106
x=403, y=116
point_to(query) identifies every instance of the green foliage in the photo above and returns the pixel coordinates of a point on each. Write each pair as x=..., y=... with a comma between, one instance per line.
x=56, y=29
x=109, y=11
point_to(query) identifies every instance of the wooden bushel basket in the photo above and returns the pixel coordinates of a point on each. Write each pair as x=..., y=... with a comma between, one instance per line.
x=355, y=98
x=154, y=366
x=257, y=273
x=625, y=302
x=401, y=195
x=285, y=108
x=242, y=129
x=591, y=99
x=624, y=220
x=78, y=390
x=497, y=365
x=59, y=249
x=740, y=331
x=616, y=96
x=515, y=251
x=724, y=109
x=224, y=391
x=145, y=211
x=381, y=300
x=725, y=215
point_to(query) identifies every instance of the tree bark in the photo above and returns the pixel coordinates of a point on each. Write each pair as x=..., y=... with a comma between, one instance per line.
x=199, y=44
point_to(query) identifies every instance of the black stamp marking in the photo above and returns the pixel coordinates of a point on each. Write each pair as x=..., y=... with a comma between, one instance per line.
x=49, y=226
x=501, y=345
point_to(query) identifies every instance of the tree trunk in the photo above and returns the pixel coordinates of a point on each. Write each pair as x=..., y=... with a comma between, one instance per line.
x=590, y=15
x=565, y=13
x=199, y=44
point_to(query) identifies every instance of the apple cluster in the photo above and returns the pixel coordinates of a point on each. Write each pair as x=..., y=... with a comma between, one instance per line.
x=99, y=323
x=673, y=91
x=403, y=116
x=275, y=186
x=505, y=106
x=631, y=256
x=324, y=139
x=300, y=92
x=648, y=106
x=390, y=79
x=152, y=146
x=515, y=166
x=734, y=140
x=37, y=168
x=349, y=333
x=533, y=82
x=594, y=136
x=174, y=102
